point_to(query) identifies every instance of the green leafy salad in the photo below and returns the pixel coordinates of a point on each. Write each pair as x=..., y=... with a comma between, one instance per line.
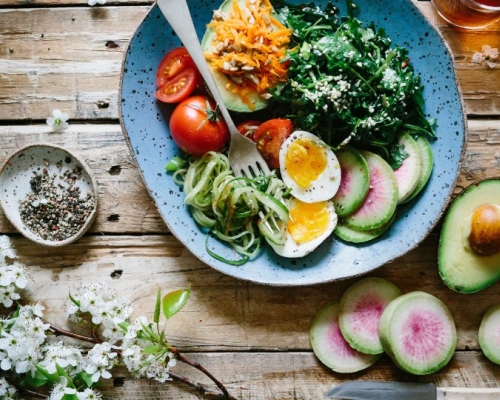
x=347, y=83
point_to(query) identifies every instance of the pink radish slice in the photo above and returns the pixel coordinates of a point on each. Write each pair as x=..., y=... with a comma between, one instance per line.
x=418, y=332
x=361, y=306
x=354, y=181
x=489, y=334
x=330, y=346
x=382, y=199
x=409, y=173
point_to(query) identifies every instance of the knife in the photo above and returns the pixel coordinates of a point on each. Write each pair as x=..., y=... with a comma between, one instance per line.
x=375, y=390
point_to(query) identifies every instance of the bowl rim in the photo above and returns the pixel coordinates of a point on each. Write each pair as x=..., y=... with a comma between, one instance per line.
x=93, y=183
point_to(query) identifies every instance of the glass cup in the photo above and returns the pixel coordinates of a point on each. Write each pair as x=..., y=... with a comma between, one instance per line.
x=468, y=14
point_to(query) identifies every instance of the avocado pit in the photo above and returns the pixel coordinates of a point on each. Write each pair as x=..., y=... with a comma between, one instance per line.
x=484, y=237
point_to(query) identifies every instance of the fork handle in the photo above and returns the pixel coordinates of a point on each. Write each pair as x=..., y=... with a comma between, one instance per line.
x=178, y=16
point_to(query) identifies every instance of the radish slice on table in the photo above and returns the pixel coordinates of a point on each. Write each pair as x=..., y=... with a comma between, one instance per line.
x=489, y=334
x=330, y=346
x=361, y=306
x=418, y=332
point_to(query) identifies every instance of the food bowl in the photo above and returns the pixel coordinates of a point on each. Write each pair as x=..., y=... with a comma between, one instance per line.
x=48, y=194
x=145, y=123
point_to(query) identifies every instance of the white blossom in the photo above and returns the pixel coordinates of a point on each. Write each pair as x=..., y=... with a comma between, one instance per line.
x=7, y=391
x=8, y=294
x=89, y=394
x=99, y=360
x=94, y=2
x=60, y=389
x=58, y=121
x=487, y=56
x=62, y=355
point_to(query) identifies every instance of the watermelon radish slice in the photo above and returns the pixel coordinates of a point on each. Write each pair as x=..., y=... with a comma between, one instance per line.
x=330, y=346
x=409, y=173
x=350, y=235
x=427, y=165
x=382, y=199
x=354, y=181
x=361, y=306
x=418, y=332
x=489, y=334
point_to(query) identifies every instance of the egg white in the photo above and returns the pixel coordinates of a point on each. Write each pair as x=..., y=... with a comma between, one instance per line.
x=291, y=249
x=328, y=182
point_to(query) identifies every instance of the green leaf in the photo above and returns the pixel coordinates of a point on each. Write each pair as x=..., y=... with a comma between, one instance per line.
x=152, y=349
x=37, y=380
x=70, y=397
x=74, y=301
x=83, y=379
x=174, y=301
x=51, y=377
x=124, y=326
x=156, y=317
x=62, y=372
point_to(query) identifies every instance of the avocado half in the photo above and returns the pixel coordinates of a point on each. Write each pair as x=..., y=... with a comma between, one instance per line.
x=459, y=266
x=232, y=100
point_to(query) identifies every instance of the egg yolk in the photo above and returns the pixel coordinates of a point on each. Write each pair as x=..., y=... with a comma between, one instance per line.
x=305, y=161
x=308, y=221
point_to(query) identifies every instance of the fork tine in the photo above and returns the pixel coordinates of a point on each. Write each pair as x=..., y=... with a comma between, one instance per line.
x=252, y=170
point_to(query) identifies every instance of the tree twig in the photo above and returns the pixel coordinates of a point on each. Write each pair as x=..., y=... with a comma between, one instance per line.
x=199, y=367
x=201, y=388
x=64, y=332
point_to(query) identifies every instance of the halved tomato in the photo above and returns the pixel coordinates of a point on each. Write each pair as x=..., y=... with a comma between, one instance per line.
x=177, y=76
x=248, y=128
x=269, y=137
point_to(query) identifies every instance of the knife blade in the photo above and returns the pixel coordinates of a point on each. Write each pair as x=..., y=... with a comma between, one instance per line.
x=377, y=390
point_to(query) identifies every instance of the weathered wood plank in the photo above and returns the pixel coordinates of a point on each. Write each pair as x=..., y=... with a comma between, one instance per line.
x=65, y=58
x=70, y=58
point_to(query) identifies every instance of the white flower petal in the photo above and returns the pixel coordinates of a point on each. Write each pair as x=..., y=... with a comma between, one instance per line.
x=477, y=58
x=490, y=64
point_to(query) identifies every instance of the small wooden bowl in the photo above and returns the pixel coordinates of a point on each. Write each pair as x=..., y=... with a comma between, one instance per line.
x=21, y=177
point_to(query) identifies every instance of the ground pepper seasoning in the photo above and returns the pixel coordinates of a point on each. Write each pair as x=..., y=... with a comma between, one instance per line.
x=56, y=212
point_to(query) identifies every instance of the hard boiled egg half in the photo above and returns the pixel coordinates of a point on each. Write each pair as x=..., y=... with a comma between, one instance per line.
x=309, y=167
x=308, y=226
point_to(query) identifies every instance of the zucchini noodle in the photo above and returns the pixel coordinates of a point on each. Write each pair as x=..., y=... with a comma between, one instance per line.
x=237, y=211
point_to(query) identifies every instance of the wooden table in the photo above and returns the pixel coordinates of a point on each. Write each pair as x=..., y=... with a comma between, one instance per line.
x=63, y=54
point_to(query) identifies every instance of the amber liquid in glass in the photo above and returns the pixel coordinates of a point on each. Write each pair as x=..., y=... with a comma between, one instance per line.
x=468, y=13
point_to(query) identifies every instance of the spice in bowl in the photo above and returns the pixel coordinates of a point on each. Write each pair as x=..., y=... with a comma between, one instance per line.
x=56, y=212
x=48, y=193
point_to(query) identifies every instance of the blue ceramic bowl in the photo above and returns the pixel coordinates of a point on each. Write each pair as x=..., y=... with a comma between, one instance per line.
x=145, y=123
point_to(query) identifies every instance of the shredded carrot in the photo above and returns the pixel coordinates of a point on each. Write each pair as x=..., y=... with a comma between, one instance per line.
x=249, y=46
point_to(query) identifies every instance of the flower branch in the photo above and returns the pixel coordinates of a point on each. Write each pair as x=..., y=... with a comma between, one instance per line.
x=36, y=356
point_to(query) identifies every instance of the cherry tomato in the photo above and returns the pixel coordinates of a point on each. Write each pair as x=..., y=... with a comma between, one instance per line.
x=196, y=128
x=177, y=76
x=248, y=128
x=269, y=137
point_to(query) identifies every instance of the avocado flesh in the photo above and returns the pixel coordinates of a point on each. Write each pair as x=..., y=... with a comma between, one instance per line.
x=460, y=267
x=232, y=101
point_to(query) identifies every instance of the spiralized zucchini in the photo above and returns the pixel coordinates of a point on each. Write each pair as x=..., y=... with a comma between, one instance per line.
x=238, y=211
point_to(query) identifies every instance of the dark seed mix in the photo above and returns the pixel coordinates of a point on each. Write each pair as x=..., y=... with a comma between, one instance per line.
x=56, y=212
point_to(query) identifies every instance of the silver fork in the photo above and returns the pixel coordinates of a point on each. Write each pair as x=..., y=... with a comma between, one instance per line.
x=244, y=157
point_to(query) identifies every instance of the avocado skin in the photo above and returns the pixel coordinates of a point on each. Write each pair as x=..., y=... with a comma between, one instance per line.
x=460, y=268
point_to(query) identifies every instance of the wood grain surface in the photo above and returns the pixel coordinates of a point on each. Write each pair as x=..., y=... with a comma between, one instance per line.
x=254, y=338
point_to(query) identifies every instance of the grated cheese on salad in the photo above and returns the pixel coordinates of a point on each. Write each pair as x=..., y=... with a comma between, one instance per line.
x=249, y=46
